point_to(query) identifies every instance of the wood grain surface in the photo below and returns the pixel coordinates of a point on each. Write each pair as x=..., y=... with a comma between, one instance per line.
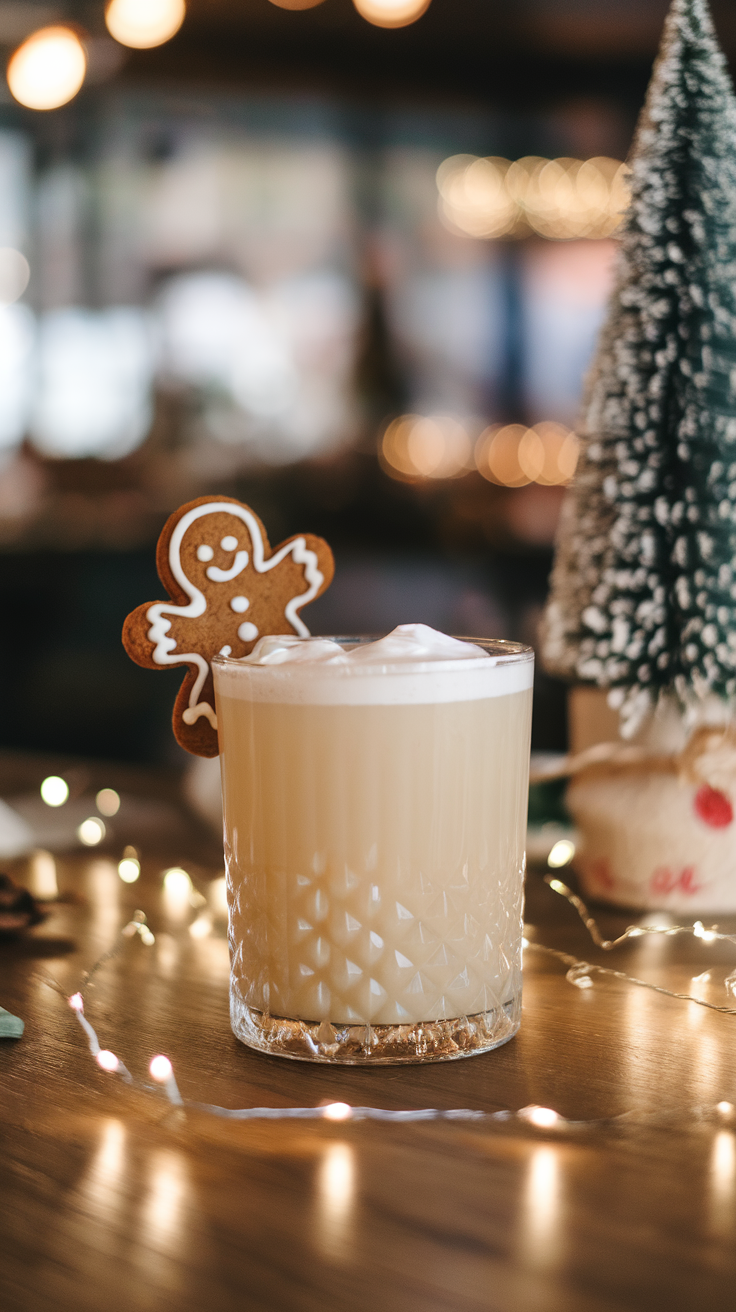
x=111, y=1200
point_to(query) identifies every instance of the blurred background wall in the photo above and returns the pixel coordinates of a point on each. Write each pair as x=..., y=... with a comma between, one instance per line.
x=350, y=274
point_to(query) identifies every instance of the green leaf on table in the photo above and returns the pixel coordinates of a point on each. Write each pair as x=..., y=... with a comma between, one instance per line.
x=11, y=1027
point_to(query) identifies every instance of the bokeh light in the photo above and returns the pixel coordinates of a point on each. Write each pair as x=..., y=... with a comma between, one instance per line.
x=54, y=790
x=218, y=896
x=129, y=869
x=560, y=450
x=42, y=881
x=107, y=801
x=415, y=447
x=48, y=69
x=560, y=199
x=15, y=272
x=391, y=13
x=91, y=831
x=107, y=1060
x=513, y=455
x=426, y=446
x=296, y=4
x=177, y=883
x=201, y=927
x=497, y=455
x=143, y=24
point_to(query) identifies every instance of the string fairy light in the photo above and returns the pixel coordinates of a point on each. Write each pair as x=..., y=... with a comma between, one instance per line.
x=579, y=972
x=163, y=1073
x=545, y=1120
x=697, y=930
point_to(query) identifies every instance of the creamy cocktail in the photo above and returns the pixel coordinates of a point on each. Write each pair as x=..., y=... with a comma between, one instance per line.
x=375, y=813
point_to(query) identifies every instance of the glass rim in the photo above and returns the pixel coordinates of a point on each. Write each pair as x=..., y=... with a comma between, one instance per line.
x=501, y=651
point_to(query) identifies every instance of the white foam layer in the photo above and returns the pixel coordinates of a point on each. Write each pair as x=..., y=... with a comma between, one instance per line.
x=413, y=665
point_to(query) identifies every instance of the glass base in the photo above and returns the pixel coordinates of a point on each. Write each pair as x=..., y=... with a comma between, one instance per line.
x=375, y=1045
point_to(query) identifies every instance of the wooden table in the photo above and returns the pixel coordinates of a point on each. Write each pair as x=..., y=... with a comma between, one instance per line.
x=110, y=1200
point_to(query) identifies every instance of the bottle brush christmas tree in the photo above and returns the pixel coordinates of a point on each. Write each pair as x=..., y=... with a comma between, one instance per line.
x=643, y=598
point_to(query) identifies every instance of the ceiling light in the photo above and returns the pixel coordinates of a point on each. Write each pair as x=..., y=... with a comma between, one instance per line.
x=48, y=69
x=143, y=24
x=391, y=13
x=296, y=4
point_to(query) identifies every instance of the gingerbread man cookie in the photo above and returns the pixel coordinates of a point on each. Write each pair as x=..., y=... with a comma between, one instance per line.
x=227, y=589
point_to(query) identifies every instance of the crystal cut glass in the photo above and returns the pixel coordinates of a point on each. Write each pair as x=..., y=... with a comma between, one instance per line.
x=375, y=821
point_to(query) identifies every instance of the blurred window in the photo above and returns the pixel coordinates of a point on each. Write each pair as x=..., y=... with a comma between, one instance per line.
x=94, y=382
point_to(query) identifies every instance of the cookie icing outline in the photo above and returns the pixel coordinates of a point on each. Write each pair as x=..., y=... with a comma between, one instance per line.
x=197, y=606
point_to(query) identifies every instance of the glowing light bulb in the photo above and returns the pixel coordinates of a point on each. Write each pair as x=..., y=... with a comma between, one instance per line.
x=557, y=886
x=107, y=1060
x=129, y=869
x=142, y=24
x=76, y=1002
x=163, y=1072
x=391, y=13
x=725, y=1108
x=543, y=1117
x=91, y=831
x=107, y=801
x=54, y=790
x=48, y=69
x=337, y=1111
x=161, y=1069
x=562, y=854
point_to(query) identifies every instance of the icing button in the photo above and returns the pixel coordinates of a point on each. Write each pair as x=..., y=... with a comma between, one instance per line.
x=204, y=552
x=247, y=632
x=229, y=543
x=239, y=605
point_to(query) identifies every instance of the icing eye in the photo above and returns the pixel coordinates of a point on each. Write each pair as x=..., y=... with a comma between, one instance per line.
x=229, y=543
x=204, y=552
x=239, y=604
x=225, y=651
x=247, y=632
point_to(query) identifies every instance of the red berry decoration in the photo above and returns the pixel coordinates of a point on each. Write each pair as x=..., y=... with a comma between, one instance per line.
x=713, y=807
